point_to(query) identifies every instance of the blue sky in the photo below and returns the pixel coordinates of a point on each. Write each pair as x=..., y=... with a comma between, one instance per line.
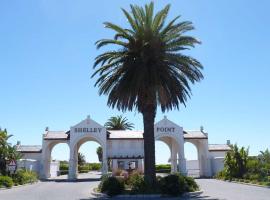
x=47, y=51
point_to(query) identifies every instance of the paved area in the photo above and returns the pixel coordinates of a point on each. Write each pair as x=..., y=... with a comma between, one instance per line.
x=221, y=190
x=55, y=189
x=60, y=189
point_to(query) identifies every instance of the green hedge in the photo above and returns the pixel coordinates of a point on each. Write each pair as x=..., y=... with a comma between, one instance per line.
x=24, y=176
x=6, y=181
x=111, y=185
x=163, y=168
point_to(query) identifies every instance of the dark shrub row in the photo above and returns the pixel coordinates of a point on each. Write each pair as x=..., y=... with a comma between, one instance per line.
x=172, y=185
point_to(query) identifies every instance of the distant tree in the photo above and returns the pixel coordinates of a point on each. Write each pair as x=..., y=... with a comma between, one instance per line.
x=81, y=159
x=118, y=123
x=7, y=151
x=236, y=160
x=99, y=153
x=265, y=156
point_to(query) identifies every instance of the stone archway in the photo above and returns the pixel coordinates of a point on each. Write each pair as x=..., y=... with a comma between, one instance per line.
x=74, y=148
x=172, y=135
x=87, y=130
x=47, y=148
x=173, y=147
x=203, y=157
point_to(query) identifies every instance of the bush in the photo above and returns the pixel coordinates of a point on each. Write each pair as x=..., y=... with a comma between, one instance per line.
x=94, y=166
x=63, y=172
x=24, y=177
x=192, y=186
x=63, y=166
x=172, y=184
x=138, y=184
x=111, y=185
x=6, y=181
x=83, y=169
x=163, y=168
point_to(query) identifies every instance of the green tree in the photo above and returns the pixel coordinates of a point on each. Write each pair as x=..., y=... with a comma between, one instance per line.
x=81, y=159
x=148, y=69
x=236, y=162
x=118, y=123
x=7, y=151
x=99, y=153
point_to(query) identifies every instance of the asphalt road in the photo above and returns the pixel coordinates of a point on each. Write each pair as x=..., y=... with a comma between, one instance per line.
x=221, y=190
x=81, y=190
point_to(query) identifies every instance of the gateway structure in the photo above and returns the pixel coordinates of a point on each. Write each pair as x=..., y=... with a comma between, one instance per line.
x=125, y=149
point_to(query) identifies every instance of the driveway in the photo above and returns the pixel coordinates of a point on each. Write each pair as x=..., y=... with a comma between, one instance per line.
x=221, y=190
x=60, y=189
x=55, y=189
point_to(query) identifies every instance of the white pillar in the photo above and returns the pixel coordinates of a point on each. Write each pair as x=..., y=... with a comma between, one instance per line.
x=140, y=165
x=114, y=165
x=173, y=157
x=204, y=161
x=46, y=160
x=73, y=162
x=181, y=159
x=104, y=163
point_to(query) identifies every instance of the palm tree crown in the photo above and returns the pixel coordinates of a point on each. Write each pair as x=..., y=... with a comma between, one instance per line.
x=118, y=123
x=148, y=67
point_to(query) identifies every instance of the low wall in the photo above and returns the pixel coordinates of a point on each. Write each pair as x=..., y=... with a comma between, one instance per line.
x=217, y=164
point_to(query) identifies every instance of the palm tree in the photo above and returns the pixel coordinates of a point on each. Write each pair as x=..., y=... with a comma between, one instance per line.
x=148, y=69
x=81, y=159
x=118, y=123
x=99, y=153
x=7, y=151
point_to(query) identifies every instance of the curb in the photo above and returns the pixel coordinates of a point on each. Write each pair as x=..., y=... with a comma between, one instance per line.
x=250, y=184
x=148, y=196
x=18, y=186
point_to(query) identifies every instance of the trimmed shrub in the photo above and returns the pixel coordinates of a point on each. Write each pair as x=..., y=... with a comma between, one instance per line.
x=172, y=184
x=63, y=172
x=163, y=168
x=6, y=181
x=63, y=167
x=138, y=184
x=111, y=185
x=83, y=169
x=192, y=186
x=24, y=177
x=94, y=166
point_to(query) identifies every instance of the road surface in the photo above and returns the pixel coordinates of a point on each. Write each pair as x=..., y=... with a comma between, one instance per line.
x=81, y=190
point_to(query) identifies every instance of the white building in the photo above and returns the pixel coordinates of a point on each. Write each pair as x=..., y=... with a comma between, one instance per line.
x=125, y=149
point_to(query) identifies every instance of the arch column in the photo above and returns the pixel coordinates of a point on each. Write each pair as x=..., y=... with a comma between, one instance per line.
x=104, y=168
x=204, y=161
x=73, y=162
x=181, y=159
x=173, y=156
x=46, y=160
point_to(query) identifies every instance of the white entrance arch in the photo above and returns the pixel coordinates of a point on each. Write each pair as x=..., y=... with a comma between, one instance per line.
x=87, y=130
x=48, y=144
x=172, y=135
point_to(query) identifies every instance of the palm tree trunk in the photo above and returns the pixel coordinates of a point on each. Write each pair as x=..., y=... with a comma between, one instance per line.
x=149, y=114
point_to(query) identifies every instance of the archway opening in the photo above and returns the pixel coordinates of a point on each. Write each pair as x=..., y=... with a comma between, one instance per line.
x=59, y=161
x=163, y=155
x=192, y=161
x=89, y=162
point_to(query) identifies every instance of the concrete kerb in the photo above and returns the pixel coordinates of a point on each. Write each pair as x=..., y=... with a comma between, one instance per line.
x=18, y=186
x=148, y=196
x=251, y=184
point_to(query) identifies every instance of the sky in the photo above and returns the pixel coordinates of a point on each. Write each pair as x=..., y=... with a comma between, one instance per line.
x=47, y=52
